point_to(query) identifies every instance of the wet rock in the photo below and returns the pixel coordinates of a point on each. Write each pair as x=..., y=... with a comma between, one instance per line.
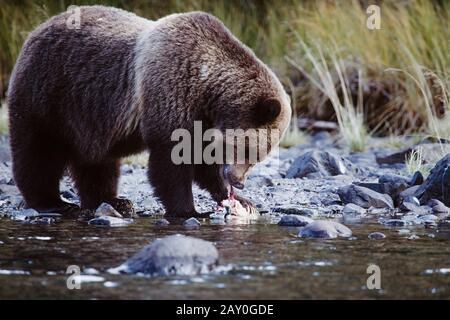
x=325, y=229
x=106, y=209
x=50, y=215
x=377, y=187
x=295, y=211
x=174, y=255
x=439, y=209
x=413, y=237
x=428, y=219
x=376, y=235
x=412, y=200
x=409, y=192
x=409, y=206
x=437, y=206
x=318, y=164
x=69, y=195
x=380, y=211
x=161, y=222
x=394, y=222
x=423, y=210
x=417, y=179
x=393, y=179
x=40, y=221
x=23, y=215
x=437, y=185
x=364, y=197
x=145, y=214
x=353, y=209
x=107, y=221
x=294, y=220
x=191, y=223
x=390, y=188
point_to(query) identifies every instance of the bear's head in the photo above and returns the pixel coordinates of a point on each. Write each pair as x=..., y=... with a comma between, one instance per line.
x=249, y=107
x=251, y=130
x=245, y=100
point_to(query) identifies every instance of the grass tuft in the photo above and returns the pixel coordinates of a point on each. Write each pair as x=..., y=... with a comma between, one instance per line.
x=414, y=162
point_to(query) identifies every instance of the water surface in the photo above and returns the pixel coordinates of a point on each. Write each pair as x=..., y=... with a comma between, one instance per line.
x=261, y=261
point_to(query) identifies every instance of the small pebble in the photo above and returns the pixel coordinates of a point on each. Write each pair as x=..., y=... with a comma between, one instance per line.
x=106, y=209
x=294, y=220
x=376, y=235
x=107, y=221
x=191, y=223
x=161, y=222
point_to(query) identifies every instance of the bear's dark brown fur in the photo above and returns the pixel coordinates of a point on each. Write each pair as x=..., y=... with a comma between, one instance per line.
x=84, y=98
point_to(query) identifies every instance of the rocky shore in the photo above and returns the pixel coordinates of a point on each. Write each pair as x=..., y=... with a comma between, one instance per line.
x=319, y=188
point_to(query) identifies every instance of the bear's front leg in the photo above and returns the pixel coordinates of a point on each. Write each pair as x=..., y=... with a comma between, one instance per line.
x=208, y=177
x=172, y=183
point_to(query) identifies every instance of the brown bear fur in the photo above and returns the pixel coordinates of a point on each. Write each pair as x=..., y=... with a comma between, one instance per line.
x=84, y=98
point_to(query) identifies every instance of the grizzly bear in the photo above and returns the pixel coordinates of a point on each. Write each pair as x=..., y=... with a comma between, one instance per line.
x=84, y=97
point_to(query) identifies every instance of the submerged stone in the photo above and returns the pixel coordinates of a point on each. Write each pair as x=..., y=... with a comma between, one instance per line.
x=107, y=221
x=173, y=255
x=325, y=229
x=161, y=222
x=192, y=223
x=376, y=235
x=294, y=220
x=23, y=215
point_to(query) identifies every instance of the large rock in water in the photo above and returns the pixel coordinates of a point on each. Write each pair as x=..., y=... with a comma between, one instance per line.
x=437, y=185
x=325, y=229
x=174, y=255
x=318, y=164
x=365, y=197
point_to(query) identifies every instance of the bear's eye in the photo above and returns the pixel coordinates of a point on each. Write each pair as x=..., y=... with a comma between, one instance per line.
x=266, y=111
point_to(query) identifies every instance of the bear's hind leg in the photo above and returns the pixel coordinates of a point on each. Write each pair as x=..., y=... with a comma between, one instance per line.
x=96, y=183
x=38, y=165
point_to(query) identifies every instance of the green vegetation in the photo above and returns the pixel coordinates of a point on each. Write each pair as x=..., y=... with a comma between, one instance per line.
x=389, y=81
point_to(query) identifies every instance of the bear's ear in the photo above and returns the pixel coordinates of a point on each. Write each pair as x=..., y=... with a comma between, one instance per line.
x=266, y=111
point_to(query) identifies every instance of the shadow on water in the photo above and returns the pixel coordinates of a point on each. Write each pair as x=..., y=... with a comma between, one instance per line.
x=267, y=262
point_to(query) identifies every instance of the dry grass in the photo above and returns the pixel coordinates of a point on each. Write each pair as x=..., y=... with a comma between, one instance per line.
x=414, y=162
x=414, y=34
x=294, y=136
x=140, y=159
x=349, y=115
x=4, y=127
x=414, y=37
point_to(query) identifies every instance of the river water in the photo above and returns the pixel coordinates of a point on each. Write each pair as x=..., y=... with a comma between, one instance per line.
x=260, y=260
